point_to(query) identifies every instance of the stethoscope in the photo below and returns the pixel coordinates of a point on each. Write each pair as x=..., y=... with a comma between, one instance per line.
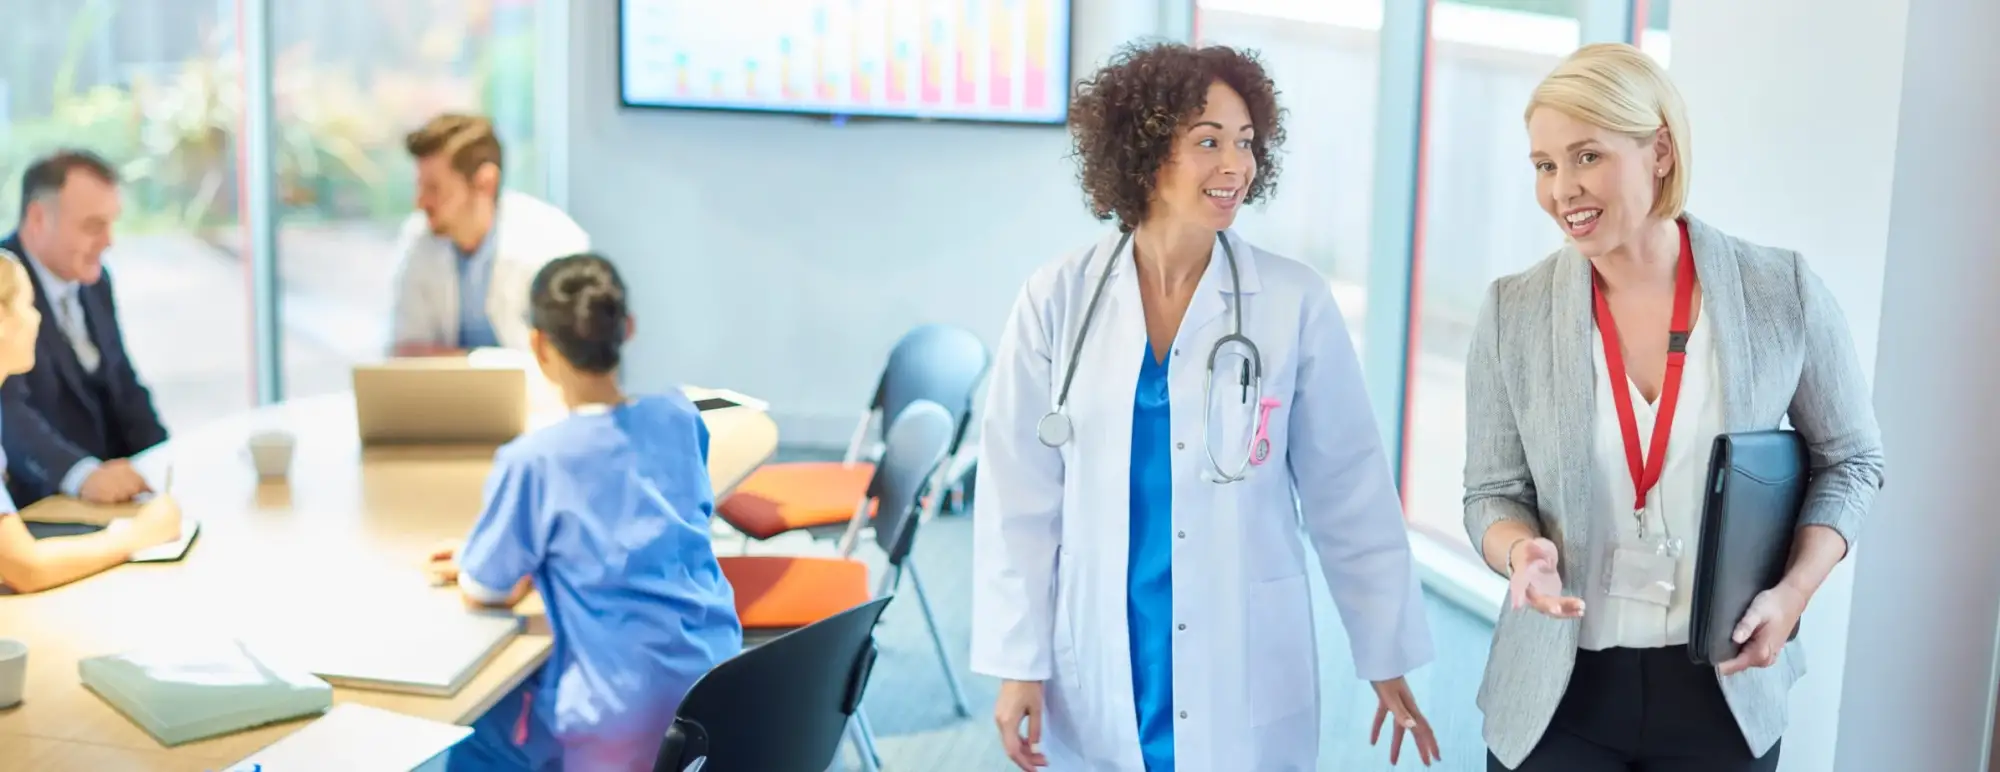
x=1055, y=428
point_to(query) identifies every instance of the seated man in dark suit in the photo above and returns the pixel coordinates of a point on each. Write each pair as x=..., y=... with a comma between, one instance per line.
x=75, y=419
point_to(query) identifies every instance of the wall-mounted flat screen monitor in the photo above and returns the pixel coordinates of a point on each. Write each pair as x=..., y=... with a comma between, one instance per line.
x=972, y=60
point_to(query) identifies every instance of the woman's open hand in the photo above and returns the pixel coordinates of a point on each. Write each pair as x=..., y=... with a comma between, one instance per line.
x=1536, y=584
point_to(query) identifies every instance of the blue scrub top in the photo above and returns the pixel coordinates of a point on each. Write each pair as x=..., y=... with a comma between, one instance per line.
x=475, y=273
x=1149, y=604
x=609, y=512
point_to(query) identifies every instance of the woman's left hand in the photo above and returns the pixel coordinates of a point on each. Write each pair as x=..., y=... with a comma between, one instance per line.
x=1395, y=697
x=442, y=567
x=1765, y=628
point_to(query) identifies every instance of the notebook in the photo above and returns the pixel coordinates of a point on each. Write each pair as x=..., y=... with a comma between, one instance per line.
x=159, y=553
x=354, y=736
x=1756, y=487
x=185, y=691
x=432, y=654
x=166, y=551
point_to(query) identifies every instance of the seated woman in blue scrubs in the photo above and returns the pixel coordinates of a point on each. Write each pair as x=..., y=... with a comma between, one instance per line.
x=606, y=514
x=30, y=565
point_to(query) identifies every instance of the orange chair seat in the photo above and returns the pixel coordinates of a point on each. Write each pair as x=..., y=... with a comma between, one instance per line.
x=779, y=591
x=778, y=498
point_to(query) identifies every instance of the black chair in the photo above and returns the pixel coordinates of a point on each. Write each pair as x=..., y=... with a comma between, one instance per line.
x=780, y=707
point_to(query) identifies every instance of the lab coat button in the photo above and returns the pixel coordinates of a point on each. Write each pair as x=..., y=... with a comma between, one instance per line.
x=1180, y=446
x=1183, y=714
x=1182, y=534
x=1182, y=625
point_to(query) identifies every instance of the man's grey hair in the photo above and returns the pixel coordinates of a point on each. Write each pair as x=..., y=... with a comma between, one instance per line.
x=45, y=177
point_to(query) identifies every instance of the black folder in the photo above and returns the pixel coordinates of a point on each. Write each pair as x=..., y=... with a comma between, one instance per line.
x=1756, y=487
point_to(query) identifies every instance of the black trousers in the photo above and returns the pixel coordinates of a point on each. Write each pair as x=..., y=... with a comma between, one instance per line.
x=1642, y=710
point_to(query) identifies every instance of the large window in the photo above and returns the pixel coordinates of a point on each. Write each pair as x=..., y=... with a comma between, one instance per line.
x=153, y=86
x=157, y=87
x=1481, y=220
x=1324, y=56
x=351, y=78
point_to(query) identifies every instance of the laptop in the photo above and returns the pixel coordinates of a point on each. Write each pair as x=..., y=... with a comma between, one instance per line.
x=439, y=401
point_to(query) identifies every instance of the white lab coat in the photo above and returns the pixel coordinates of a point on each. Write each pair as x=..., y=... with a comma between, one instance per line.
x=528, y=233
x=1052, y=525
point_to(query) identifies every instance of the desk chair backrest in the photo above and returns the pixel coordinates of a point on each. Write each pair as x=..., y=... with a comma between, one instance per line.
x=935, y=362
x=917, y=443
x=779, y=707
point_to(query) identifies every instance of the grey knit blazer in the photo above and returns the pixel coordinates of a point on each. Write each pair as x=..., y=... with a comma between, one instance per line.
x=1785, y=352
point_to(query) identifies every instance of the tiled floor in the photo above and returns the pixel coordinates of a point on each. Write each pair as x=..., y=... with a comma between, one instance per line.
x=910, y=704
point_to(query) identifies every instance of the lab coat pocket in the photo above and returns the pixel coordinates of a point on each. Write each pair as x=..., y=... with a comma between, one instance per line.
x=1063, y=635
x=1283, y=671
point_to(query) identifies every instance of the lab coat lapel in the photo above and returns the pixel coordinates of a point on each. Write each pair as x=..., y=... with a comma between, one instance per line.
x=1214, y=296
x=1724, y=311
x=1576, y=382
x=1111, y=358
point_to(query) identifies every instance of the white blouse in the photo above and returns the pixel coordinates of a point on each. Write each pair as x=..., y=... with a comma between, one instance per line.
x=1675, y=502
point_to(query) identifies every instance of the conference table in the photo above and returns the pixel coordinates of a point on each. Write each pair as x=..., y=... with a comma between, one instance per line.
x=341, y=540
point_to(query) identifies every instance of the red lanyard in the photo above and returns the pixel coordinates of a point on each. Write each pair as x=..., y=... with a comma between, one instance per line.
x=1646, y=471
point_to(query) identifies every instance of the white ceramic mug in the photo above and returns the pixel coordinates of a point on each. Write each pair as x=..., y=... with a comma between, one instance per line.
x=13, y=671
x=271, y=453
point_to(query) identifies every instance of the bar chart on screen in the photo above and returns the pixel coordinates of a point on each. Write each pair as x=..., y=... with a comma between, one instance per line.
x=986, y=60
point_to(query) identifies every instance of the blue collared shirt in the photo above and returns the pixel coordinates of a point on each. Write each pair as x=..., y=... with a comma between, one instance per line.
x=609, y=513
x=58, y=292
x=475, y=273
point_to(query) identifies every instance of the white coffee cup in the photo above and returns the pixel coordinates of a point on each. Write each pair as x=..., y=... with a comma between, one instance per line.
x=271, y=452
x=13, y=671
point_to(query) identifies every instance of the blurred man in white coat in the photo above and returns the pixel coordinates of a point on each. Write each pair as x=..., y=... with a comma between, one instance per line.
x=467, y=255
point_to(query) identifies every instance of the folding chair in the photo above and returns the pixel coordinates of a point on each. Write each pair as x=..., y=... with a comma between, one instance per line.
x=934, y=362
x=781, y=592
x=780, y=707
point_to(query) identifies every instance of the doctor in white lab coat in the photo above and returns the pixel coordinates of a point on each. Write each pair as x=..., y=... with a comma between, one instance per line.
x=1140, y=615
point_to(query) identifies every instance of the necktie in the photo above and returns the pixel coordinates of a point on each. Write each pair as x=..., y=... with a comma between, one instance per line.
x=70, y=317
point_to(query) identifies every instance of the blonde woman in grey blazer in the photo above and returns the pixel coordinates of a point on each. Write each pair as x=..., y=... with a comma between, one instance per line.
x=1589, y=670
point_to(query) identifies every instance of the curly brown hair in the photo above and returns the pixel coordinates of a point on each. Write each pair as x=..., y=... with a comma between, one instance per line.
x=1123, y=120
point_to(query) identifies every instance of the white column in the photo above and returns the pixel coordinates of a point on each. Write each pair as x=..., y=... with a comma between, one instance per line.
x=1853, y=132
x=1920, y=682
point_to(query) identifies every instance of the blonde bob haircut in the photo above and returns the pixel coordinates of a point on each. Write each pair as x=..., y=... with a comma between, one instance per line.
x=13, y=282
x=1616, y=87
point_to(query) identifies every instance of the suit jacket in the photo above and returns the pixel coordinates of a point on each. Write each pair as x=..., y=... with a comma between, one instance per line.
x=57, y=413
x=1784, y=351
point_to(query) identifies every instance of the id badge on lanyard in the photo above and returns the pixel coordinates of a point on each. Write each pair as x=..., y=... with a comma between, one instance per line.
x=1644, y=569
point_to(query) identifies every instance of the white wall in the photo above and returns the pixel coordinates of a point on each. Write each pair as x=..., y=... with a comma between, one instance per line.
x=1793, y=111
x=1927, y=593
x=1854, y=132
x=783, y=256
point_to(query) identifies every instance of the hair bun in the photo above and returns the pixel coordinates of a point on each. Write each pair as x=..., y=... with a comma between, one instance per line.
x=579, y=302
x=600, y=313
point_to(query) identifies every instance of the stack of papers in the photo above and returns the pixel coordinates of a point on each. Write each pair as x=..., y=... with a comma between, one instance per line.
x=183, y=692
